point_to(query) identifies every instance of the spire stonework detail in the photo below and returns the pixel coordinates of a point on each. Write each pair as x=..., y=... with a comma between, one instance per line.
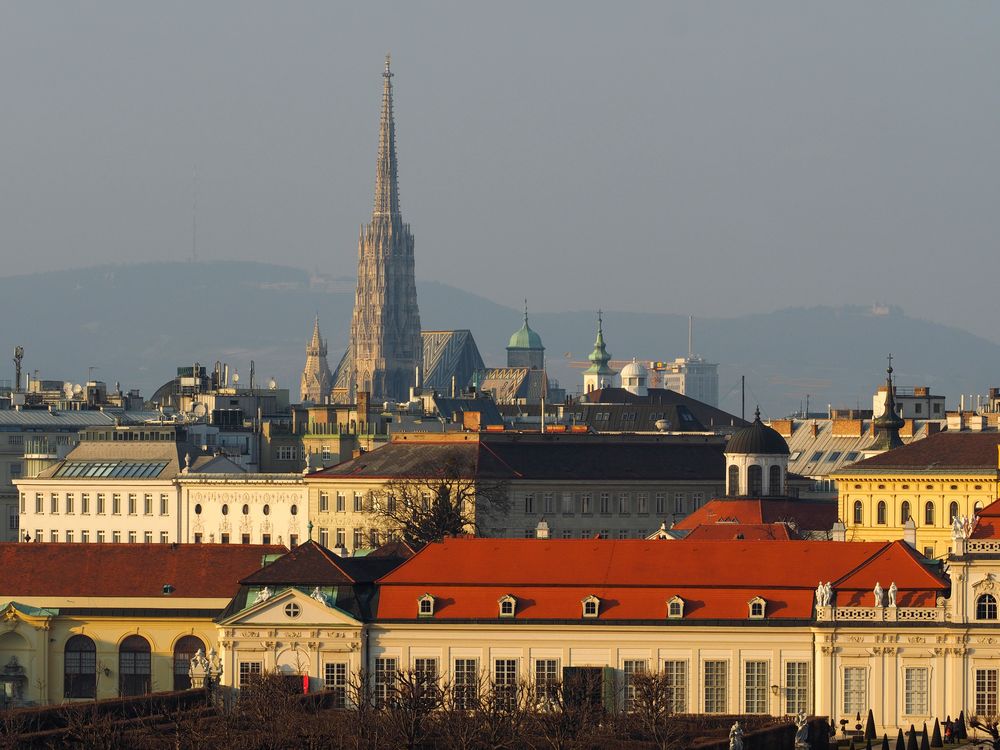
x=316, y=377
x=386, y=346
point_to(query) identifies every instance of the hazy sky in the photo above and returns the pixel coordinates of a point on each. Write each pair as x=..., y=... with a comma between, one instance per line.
x=705, y=157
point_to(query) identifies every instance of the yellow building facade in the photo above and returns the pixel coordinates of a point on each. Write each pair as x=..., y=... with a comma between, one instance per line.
x=919, y=490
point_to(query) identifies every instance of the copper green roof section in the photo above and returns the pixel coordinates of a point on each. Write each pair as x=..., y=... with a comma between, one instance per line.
x=600, y=357
x=524, y=337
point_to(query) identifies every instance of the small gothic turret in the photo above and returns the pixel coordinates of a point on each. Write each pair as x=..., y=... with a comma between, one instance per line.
x=316, y=377
x=888, y=424
x=599, y=374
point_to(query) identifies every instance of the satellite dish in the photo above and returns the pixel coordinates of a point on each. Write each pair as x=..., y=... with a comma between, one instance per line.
x=662, y=425
x=199, y=410
x=236, y=377
x=272, y=385
x=68, y=390
x=77, y=389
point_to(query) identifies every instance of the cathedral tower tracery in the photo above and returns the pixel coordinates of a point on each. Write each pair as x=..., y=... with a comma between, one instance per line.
x=386, y=345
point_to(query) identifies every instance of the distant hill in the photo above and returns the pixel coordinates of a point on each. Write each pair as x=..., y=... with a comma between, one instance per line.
x=137, y=323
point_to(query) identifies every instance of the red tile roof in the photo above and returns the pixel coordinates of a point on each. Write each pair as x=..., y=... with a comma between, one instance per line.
x=806, y=514
x=635, y=578
x=751, y=532
x=127, y=570
x=944, y=450
x=988, y=522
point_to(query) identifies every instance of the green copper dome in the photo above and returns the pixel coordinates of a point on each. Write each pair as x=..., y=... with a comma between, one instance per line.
x=524, y=337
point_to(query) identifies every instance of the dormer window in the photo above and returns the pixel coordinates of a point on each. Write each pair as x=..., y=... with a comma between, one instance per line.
x=757, y=607
x=591, y=606
x=425, y=606
x=675, y=608
x=508, y=604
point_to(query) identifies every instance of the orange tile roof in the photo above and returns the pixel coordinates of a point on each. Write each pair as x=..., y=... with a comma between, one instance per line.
x=807, y=514
x=127, y=570
x=988, y=522
x=635, y=578
x=740, y=531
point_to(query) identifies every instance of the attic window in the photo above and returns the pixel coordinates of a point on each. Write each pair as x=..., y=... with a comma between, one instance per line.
x=795, y=455
x=979, y=486
x=954, y=487
x=292, y=610
x=905, y=487
x=425, y=606
x=507, y=606
x=929, y=486
x=675, y=608
x=591, y=606
x=757, y=606
x=881, y=486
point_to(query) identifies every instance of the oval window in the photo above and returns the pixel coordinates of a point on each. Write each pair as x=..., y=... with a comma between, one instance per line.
x=267, y=510
x=246, y=510
x=294, y=509
x=197, y=509
x=225, y=510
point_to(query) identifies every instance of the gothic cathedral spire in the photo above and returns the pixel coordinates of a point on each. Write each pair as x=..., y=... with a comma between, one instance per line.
x=316, y=378
x=386, y=346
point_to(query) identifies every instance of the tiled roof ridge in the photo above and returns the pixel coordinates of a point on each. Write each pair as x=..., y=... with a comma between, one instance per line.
x=423, y=550
x=864, y=563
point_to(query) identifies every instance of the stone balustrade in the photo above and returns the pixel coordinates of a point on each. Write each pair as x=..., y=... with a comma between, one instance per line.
x=883, y=614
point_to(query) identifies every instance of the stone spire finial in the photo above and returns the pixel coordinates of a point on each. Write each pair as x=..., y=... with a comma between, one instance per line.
x=887, y=425
x=386, y=185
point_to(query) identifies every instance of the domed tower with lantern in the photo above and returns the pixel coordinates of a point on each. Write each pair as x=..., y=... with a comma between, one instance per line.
x=756, y=462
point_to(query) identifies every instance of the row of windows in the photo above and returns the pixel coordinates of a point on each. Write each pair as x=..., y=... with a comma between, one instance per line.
x=930, y=512
x=148, y=537
x=341, y=507
x=916, y=691
x=266, y=510
x=134, y=665
x=69, y=505
x=622, y=503
x=360, y=538
x=467, y=681
x=755, y=480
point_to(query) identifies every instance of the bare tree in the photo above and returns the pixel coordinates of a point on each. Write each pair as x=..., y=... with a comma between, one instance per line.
x=650, y=709
x=442, y=498
x=990, y=725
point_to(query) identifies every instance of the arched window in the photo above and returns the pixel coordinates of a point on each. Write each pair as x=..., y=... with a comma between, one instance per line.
x=881, y=512
x=774, y=480
x=184, y=649
x=904, y=512
x=134, y=666
x=986, y=607
x=952, y=512
x=929, y=514
x=978, y=506
x=859, y=515
x=734, y=480
x=755, y=480
x=80, y=668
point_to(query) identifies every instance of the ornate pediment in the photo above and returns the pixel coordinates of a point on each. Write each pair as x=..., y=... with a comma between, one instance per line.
x=986, y=585
x=289, y=608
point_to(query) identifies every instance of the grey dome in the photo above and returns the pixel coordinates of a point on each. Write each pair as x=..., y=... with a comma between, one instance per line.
x=758, y=438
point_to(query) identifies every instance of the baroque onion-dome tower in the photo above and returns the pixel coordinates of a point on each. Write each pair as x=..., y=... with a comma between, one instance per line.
x=386, y=347
x=316, y=377
x=599, y=374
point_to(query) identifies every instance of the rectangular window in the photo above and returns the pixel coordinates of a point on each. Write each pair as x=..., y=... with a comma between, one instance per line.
x=755, y=687
x=341, y=537
x=147, y=504
x=359, y=538
x=505, y=682
x=796, y=687
x=567, y=534
x=359, y=502
x=855, y=692
x=324, y=502
x=53, y=536
x=373, y=538
x=661, y=503
x=116, y=504
x=549, y=503
x=586, y=503
x=38, y=535
x=197, y=538
x=53, y=503
x=85, y=536
x=642, y=503
x=69, y=537
x=915, y=691
x=38, y=503
x=697, y=499
x=679, y=500
x=385, y=680
x=132, y=537
x=327, y=455
x=116, y=537
x=100, y=503
x=341, y=502
x=630, y=668
x=466, y=683
x=293, y=540
x=605, y=503
x=529, y=503
x=164, y=537
x=675, y=682
x=132, y=504
x=100, y=537
x=546, y=678
x=244, y=539
x=335, y=680
x=265, y=538
x=147, y=537
x=249, y=671
x=223, y=538
x=324, y=537
x=85, y=503
x=716, y=686
x=624, y=507
x=986, y=692
x=70, y=502
x=567, y=503
x=164, y=505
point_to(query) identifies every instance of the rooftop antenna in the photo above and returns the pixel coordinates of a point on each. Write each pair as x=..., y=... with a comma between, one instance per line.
x=90, y=372
x=18, y=357
x=690, y=335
